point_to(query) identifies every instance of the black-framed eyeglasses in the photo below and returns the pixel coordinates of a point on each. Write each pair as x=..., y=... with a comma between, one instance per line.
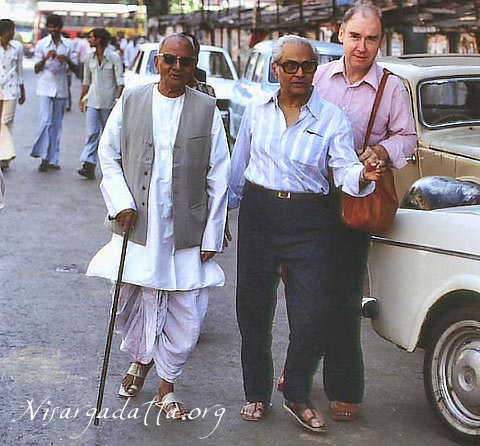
x=292, y=66
x=172, y=59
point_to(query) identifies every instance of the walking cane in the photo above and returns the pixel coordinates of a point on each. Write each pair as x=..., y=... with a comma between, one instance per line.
x=111, y=326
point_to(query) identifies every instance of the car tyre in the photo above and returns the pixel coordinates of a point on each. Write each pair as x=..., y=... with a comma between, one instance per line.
x=452, y=372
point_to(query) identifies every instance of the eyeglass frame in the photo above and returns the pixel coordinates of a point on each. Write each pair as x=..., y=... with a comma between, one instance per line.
x=180, y=59
x=298, y=65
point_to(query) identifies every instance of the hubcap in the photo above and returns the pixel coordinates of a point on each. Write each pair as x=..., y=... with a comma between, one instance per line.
x=466, y=375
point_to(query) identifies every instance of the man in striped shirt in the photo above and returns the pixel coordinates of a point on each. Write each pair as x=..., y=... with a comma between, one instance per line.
x=286, y=146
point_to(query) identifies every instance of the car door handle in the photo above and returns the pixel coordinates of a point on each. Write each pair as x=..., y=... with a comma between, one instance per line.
x=412, y=159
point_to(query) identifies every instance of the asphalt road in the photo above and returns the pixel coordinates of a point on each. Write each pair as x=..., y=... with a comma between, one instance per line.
x=53, y=323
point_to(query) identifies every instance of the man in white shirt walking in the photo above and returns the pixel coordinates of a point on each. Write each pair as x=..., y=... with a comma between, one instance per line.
x=165, y=165
x=102, y=87
x=11, y=88
x=53, y=56
x=286, y=145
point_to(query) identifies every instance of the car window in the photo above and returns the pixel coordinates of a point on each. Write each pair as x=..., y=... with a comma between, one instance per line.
x=250, y=67
x=449, y=101
x=215, y=64
x=151, y=63
x=259, y=68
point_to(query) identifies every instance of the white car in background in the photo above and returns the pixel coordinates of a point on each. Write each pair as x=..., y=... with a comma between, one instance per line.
x=216, y=62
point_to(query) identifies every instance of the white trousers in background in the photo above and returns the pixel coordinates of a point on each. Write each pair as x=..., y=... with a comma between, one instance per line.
x=7, y=113
x=160, y=325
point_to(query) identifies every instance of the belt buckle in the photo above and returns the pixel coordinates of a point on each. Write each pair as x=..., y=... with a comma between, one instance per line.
x=283, y=195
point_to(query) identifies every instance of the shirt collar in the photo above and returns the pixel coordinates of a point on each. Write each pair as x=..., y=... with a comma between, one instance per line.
x=314, y=104
x=61, y=42
x=371, y=78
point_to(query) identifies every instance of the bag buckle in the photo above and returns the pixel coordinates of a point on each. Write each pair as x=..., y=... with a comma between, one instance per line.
x=283, y=195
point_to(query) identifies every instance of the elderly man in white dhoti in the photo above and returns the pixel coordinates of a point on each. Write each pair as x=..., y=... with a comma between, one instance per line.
x=165, y=164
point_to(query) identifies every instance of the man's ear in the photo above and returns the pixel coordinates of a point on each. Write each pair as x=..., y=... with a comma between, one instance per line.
x=275, y=69
x=341, y=34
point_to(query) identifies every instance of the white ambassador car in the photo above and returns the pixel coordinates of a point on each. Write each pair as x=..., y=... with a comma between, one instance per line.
x=425, y=284
x=217, y=63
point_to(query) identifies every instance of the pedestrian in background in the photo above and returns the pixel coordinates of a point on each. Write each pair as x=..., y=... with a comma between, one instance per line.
x=351, y=83
x=53, y=56
x=165, y=165
x=131, y=50
x=102, y=86
x=11, y=88
x=286, y=144
x=82, y=47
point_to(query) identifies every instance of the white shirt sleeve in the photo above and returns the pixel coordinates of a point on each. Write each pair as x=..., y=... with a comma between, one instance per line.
x=217, y=182
x=114, y=188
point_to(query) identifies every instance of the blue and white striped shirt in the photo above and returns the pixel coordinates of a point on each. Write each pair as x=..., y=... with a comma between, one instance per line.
x=296, y=158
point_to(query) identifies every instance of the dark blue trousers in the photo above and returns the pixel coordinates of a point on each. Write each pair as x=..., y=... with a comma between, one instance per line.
x=296, y=234
x=343, y=368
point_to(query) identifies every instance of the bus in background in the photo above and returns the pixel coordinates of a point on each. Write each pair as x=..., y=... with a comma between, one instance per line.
x=82, y=17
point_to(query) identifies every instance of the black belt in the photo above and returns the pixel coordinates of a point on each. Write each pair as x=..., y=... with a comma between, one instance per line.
x=285, y=195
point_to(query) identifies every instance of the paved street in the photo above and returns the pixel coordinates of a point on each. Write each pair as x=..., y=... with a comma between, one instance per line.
x=53, y=325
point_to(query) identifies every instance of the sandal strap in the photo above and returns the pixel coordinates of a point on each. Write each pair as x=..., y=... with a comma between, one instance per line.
x=139, y=370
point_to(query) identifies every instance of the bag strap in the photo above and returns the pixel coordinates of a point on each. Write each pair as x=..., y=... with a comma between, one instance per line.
x=376, y=104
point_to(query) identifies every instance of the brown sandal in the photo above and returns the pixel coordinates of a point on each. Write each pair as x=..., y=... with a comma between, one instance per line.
x=253, y=411
x=340, y=411
x=306, y=415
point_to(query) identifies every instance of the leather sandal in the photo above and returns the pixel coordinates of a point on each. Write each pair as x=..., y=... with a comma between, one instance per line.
x=340, y=411
x=139, y=372
x=306, y=415
x=254, y=411
x=172, y=406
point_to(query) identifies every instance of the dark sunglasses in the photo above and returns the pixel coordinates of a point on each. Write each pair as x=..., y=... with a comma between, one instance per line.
x=292, y=66
x=171, y=59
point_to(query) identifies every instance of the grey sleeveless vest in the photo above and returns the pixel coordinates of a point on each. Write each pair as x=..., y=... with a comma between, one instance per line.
x=191, y=157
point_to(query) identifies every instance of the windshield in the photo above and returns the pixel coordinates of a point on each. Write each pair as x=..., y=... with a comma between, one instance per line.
x=445, y=102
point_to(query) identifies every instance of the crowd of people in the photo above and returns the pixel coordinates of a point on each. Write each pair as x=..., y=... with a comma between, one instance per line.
x=168, y=185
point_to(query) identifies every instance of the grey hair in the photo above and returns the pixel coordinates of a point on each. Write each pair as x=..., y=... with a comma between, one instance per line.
x=277, y=48
x=181, y=36
x=364, y=7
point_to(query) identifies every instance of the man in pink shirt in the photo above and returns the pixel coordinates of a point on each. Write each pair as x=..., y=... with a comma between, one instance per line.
x=351, y=83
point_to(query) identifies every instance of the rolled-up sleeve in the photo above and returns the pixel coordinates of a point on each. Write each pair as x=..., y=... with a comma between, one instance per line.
x=114, y=188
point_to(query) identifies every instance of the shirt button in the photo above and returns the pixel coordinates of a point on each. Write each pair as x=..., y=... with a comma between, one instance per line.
x=144, y=188
x=145, y=173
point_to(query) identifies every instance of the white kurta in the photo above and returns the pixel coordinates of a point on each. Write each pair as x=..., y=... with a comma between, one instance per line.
x=157, y=264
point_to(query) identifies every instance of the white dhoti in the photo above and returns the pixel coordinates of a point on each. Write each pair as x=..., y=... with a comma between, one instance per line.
x=7, y=113
x=160, y=325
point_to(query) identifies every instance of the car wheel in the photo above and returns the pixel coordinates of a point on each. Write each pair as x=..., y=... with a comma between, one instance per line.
x=452, y=372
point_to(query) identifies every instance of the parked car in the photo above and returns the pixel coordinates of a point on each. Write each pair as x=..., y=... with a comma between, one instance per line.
x=258, y=77
x=445, y=93
x=217, y=63
x=425, y=293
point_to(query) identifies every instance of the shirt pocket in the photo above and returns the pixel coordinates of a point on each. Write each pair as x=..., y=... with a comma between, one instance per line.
x=308, y=148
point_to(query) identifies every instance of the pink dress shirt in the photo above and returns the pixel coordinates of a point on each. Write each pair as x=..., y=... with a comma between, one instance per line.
x=394, y=126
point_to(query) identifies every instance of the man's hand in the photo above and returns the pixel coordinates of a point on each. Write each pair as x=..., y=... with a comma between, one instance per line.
x=373, y=154
x=374, y=171
x=127, y=219
x=206, y=255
